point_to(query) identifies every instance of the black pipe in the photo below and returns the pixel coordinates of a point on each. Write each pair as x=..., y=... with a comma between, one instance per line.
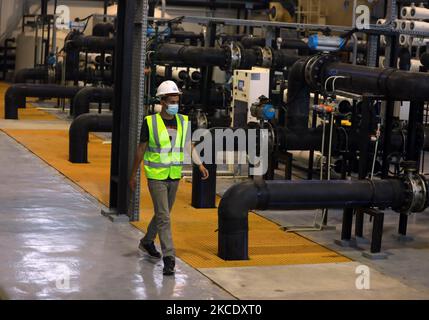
x=298, y=98
x=16, y=94
x=103, y=29
x=392, y=83
x=250, y=41
x=79, y=134
x=40, y=73
x=292, y=195
x=90, y=43
x=182, y=55
x=181, y=35
x=175, y=54
x=87, y=95
x=226, y=4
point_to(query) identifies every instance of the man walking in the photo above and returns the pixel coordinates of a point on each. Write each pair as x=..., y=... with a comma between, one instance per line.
x=163, y=141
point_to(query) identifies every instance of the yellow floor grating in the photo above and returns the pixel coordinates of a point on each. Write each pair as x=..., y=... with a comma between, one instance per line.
x=28, y=113
x=194, y=230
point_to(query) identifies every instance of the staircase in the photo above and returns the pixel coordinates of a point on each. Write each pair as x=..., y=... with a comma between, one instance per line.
x=7, y=57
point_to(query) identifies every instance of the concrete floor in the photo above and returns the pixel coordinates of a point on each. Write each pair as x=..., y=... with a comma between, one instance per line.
x=402, y=275
x=58, y=230
x=51, y=231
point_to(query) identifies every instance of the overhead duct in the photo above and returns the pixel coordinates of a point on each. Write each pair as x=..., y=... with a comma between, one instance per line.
x=405, y=194
x=16, y=95
x=87, y=95
x=79, y=134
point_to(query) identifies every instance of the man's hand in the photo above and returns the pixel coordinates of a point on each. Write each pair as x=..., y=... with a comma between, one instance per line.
x=204, y=172
x=133, y=183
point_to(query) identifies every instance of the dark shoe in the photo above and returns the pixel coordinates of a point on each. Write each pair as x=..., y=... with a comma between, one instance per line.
x=169, y=264
x=150, y=249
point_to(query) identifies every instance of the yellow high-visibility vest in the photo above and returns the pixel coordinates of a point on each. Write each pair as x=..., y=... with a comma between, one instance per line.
x=161, y=160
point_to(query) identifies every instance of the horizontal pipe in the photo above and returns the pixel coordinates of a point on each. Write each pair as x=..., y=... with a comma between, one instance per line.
x=176, y=54
x=239, y=199
x=87, y=95
x=79, y=134
x=392, y=83
x=192, y=56
x=231, y=4
x=91, y=43
x=40, y=73
x=16, y=95
x=103, y=29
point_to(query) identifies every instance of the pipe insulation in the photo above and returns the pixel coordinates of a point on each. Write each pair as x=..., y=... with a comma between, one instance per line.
x=239, y=199
x=419, y=13
x=418, y=26
x=180, y=73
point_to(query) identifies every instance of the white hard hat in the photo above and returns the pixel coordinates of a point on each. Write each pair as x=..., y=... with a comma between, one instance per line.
x=166, y=88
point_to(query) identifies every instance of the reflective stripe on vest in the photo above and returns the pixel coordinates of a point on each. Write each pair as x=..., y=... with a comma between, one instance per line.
x=161, y=160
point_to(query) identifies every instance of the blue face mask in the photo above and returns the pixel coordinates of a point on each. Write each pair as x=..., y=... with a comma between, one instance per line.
x=172, y=109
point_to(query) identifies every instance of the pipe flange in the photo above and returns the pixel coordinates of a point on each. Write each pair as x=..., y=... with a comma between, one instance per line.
x=416, y=195
x=235, y=53
x=267, y=57
x=314, y=70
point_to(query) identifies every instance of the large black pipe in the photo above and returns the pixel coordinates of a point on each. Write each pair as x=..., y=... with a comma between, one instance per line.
x=227, y=4
x=87, y=95
x=103, y=29
x=90, y=43
x=39, y=73
x=42, y=74
x=392, y=83
x=16, y=94
x=176, y=54
x=292, y=195
x=192, y=56
x=79, y=134
x=298, y=98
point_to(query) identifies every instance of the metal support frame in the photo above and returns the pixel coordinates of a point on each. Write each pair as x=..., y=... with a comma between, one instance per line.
x=377, y=230
x=127, y=113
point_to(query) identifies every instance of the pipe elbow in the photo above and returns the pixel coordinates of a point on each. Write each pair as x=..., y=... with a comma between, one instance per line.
x=240, y=198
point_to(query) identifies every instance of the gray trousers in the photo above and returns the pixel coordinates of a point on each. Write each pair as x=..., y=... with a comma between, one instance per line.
x=163, y=194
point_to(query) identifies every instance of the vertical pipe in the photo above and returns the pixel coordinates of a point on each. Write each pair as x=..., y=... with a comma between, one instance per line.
x=346, y=230
x=403, y=223
x=313, y=125
x=377, y=232
x=365, y=128
x=388, y=126
x=415, y=120
x=207, y=72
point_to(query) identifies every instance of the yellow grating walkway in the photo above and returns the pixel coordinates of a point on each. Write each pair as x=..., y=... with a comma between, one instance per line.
x=28, y=113
x=193, y=229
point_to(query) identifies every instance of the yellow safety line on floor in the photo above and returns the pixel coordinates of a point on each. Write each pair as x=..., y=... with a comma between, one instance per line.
x=28, y=113
x=194, y=230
